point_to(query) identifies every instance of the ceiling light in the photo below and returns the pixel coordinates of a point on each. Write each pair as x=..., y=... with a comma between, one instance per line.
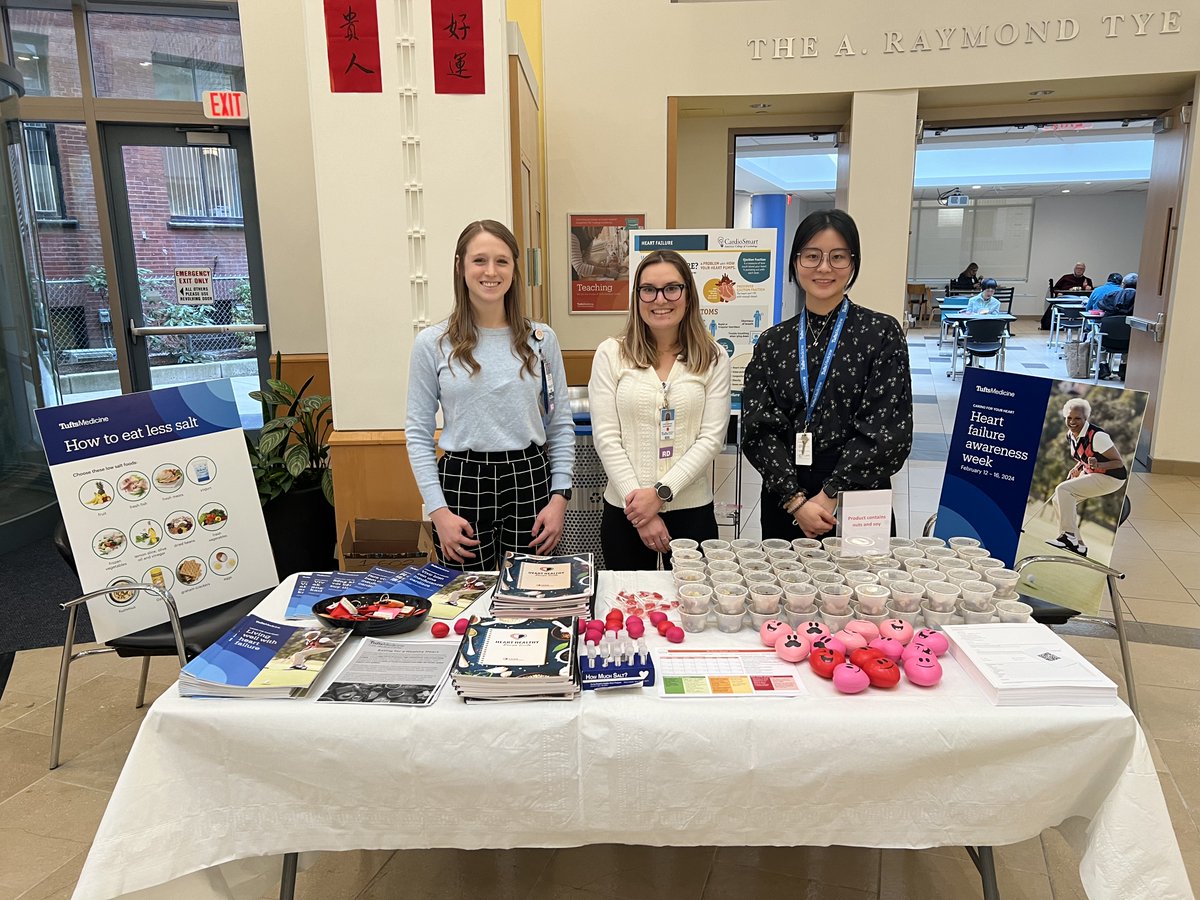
x=760, y=105
x=1066, y=190
x=1041, y=93
x=1087, y=182
x=25, y=58
x=144, y=64
x=976, y=187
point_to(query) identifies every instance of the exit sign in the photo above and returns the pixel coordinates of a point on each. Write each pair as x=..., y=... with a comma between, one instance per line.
x=225, y=105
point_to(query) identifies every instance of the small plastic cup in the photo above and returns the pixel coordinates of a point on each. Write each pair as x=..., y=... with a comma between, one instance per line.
x=1014, y=611
x=961, y=576
x=875, y=619
x=730, y=598
x=977, y=595
x=753, y=578
x=936, y=618
x=897, y=542
x=888, y=576
x=802, y=544
x=872, y=599
x=689, y=576
x=695, y=598
x=760, y=619
x=765, y=598
x=818, y=566
x=854, y=579
x=1005, y=581
x=832, y=544
x=786, y=565
x=685, y=553
x=912, y=564
x=776, y=544
x=942, y=595
x=824, y=579
x=801, y=597
x=846, y=563
x=985, y=563
x=936, y=553
x=835, y=622
x=950, y=563
x=813, y=554
x=696, y=565
x=745, y=556
x=682, y=544
x=718, y=578
x=959, y=542
x=719, y=554
x=835, y=598
x=738, y=544
x=972, y=553
x=693, y=622
x=783, y=555
x=926, y=542
x=730, y=622
x=713, y=544
x=724, y=565
x=902, y=553
x=756, y=565
x=979, y=617
x=796, y=618
x=926, y=576
x=907, y=596
x=911, y=616
x=797, y=577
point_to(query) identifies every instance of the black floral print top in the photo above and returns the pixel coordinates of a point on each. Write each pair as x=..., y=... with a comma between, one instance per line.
x=862, y=423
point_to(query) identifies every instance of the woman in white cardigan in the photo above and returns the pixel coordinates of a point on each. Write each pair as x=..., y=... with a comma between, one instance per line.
x=659, y=397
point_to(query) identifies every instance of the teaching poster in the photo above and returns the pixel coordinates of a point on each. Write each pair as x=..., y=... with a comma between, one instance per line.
x=1039, y=467
x=599, y=255
x=734, y=270
x=156, y=488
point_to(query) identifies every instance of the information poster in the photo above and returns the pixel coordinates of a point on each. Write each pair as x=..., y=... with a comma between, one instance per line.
x=156, y=488
x=599, y=251
x=1016, y=480
x=734, y=270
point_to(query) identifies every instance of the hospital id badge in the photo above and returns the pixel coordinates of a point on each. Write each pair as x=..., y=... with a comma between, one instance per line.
x=804, y=449
x=666, y=426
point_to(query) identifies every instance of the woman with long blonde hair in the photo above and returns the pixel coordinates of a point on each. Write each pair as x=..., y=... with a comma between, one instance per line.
x=659, y=396
x=508, y=444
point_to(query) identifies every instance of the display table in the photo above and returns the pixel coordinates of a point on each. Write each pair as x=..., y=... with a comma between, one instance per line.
x=222, y=788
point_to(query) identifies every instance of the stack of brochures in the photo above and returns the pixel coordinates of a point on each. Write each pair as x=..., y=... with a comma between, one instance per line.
x=544, y=587
x=1027, y=664
x=509, y=659
x=449, y=590
x=261, y=659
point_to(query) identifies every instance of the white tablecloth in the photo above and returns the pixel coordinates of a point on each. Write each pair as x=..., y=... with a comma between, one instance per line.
x=213, y=782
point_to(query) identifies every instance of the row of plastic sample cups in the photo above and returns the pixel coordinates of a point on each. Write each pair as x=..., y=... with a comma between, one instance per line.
x=921, y=581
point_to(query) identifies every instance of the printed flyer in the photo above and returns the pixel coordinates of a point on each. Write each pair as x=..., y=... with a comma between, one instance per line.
x=156, y=488
x=734, y=270
x=599, y=251
x=1039, y=467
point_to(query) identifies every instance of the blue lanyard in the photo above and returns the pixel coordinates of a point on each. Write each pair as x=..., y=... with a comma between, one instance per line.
x=810, y=402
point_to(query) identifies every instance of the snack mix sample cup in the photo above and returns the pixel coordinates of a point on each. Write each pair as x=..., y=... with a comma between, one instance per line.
x=693, y=622
x=1014, y=611
x=730, y=622
x=682, y=544
x=1005, y=581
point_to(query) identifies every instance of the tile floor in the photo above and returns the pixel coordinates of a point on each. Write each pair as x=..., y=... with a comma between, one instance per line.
x=47, y=819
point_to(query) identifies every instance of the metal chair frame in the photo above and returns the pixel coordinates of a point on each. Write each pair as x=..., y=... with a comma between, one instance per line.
x=69, y=656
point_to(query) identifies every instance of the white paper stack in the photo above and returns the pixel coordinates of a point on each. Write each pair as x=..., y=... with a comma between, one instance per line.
x=1027, y=664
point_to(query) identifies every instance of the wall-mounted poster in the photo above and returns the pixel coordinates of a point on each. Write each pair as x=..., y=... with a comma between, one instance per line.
x=599, y=251
x=1039, y=467
x=156, y=488
x=734, y=270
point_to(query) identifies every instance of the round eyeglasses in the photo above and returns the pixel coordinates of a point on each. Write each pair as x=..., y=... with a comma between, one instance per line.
x=838, y=259
x=648, y=293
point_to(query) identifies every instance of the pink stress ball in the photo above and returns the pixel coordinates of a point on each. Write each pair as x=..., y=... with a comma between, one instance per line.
x=831, y=643
x=923, y=669
x=675, y=634
x=814, y=631
x=869, y=630
x=913, y=647
x=851, y=640
x=460, y=627
x=850, y=679
x=898, y=629
x=891, y=647
x=772, y=630
x=656, y=617
x=934, y=640
x=792, y=647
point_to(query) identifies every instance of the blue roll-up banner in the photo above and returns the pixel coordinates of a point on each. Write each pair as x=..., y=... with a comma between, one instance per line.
x=1013, y=482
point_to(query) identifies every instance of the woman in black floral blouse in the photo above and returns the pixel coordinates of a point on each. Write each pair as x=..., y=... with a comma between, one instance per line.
x=855, y=429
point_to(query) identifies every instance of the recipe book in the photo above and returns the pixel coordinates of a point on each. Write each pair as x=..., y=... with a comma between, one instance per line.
x=1027, y=664
x=510, y=659
x=262, y=659
x=545, y=587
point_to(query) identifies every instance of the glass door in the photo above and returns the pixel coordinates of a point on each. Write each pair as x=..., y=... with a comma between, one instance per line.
x=185, y=225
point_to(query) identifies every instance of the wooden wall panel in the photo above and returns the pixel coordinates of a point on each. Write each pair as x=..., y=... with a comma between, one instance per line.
x=578, y=364
x=297, y=367
x=371, y=477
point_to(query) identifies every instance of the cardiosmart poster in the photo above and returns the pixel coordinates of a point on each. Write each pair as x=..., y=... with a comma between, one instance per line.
x=734, y=271
x=1039, y=467
x=156, y=488
x=599, y=251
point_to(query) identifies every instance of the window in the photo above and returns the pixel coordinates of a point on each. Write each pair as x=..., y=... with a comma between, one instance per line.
x=29, y=56
x=42, y=43
x=203, y=185
x=178, y=78
x=45, y=179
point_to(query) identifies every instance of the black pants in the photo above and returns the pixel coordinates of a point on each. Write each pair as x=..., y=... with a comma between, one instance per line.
x=500, y=494
x=776, y=523
x=624, y=550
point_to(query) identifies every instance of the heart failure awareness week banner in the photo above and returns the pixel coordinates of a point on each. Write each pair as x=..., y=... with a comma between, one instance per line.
x=734, y=271
x=156, y=488
x=1014, y=481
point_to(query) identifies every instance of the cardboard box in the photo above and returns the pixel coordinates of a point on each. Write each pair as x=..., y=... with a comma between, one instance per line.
x=392, y=543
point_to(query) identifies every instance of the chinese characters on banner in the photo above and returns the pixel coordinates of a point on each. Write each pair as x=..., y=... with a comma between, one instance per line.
x=458, y=46
x=352, y=40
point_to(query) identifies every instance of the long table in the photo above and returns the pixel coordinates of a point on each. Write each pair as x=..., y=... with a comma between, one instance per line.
x=213, y=791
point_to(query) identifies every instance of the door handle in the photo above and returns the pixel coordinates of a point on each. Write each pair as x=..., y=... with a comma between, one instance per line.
x=150, y=330
x=1156, y=330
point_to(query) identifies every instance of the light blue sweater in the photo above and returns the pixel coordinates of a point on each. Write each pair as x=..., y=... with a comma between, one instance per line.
x=495, y=409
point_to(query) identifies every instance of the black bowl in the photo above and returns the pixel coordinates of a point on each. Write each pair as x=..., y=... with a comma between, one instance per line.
x=374, y=627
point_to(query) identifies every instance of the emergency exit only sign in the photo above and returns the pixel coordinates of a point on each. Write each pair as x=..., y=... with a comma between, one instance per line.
x=225, y=105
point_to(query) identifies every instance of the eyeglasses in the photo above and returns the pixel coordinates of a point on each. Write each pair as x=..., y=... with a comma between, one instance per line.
x=838, y=259
x=648, y=293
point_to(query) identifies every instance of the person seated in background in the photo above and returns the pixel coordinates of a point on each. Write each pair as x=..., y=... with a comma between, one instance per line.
x=1112, y=286
x=983, y=303
x=1121, y=302
x=967, y=280
x=1074, y=280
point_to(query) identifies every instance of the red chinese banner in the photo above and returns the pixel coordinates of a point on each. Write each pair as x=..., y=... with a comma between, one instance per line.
x=352, y=41
x=458, y=46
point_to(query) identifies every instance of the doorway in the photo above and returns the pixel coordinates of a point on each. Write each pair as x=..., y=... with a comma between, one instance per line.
x=190, y=303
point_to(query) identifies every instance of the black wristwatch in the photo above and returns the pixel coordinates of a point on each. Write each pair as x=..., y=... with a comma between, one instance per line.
x=565, y=493
x=665, y=494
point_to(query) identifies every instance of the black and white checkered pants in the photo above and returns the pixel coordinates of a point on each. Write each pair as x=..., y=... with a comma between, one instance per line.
x=500, y=494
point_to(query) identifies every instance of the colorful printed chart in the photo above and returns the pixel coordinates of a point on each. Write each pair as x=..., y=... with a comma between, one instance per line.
x=726, y=673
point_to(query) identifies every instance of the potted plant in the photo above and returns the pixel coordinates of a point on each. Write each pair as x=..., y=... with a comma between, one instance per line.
x=290, y=461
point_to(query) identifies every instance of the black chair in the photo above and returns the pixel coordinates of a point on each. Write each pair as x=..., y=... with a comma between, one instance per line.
x=1112, y=337
x=1005, y=296
x=183, y=638
x=985, y=337
x=1071, y=321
